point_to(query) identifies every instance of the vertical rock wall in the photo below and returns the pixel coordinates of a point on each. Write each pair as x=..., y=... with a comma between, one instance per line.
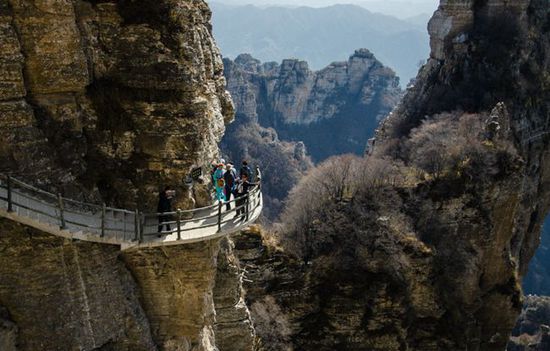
x=62, y=295
x=108, y=101
x=234, y=330
x=176, y=284
x=116, y=98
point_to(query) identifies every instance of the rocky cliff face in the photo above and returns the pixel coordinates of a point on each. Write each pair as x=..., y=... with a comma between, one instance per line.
x=118, y=97
x=109, y=101
x=286, y=113
x=60, y=295
x=423, y=245
x=486, y=55
x=333, y=111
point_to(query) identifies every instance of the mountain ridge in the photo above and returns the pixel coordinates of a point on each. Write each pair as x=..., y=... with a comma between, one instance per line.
x=319, y=35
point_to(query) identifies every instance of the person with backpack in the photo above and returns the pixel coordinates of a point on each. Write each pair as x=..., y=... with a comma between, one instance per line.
x=245, y=169
x=230, y=178
x=242, y=189
x=219, y=182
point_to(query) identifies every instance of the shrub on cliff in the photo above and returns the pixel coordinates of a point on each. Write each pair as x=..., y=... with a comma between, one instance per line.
x=456, y=145
x=340, y=179
x=271, y=324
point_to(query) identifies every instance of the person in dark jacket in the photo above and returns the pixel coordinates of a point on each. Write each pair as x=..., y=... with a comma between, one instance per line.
x=230, y=177
x=245, y=169
x=242, y=190
x=165, y=205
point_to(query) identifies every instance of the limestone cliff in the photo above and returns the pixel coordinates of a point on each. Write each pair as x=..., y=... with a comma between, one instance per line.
x=286, y=113
x=62, y=295
x=422, y=244
x=108, y=101
x=113, y=98
x=333, y=111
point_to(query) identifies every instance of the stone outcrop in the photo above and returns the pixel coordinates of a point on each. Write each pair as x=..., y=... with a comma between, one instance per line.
x=333, y=111
x=110, y=99
x=425, y=248
x=485, y=55
x=176, y=284
x=59, y=294
x=107, y=101
x=234, y=329
x=286, y=113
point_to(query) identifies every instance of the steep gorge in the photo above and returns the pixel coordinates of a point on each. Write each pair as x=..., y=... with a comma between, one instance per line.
x=109, y=100
x=288, y=115
x=332, y=111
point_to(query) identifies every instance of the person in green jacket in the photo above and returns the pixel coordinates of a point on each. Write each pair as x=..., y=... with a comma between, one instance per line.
x=219, y=182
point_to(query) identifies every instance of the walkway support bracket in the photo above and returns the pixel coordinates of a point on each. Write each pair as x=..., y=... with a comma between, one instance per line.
x=62, y=223
x=10, y=201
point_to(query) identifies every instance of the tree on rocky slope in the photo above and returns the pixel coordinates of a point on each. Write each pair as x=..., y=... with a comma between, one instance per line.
x=433, y=260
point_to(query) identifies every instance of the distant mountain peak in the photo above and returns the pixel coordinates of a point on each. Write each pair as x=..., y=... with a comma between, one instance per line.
x=320, y=35
x=363, y=53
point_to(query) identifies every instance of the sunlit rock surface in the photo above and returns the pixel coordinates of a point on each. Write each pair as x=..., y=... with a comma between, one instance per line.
x=333, y=111
x=433, y=261
x=108, y=101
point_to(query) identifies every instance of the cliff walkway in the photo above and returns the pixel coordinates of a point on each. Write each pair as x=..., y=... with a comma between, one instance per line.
x=71, y=219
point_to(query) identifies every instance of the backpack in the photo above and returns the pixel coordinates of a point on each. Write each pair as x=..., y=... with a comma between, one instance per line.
x=221, y=182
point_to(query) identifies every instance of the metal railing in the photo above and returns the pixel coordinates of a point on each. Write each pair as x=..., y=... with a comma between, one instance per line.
x=124, y=226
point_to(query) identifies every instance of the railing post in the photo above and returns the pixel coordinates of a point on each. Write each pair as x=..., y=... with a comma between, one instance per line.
x=10, y=201
x=219, y=216
x=179, y=224
x=141, y=227
x=136, y=225
x=124, y=225
x=62, y=223
x=247, y=205
x=103, y=220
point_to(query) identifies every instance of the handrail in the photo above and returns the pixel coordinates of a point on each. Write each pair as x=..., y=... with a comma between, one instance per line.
x=82, y=203
x=101, y=223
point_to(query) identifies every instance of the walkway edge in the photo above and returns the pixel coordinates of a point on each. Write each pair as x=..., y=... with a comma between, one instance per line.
x=124, y=246
x=53, y=230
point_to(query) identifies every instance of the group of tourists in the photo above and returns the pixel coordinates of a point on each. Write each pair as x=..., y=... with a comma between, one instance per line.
x=230, y=183
x=227, y=183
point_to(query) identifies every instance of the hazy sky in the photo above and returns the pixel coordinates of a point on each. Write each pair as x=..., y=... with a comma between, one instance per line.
x=398, y=8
